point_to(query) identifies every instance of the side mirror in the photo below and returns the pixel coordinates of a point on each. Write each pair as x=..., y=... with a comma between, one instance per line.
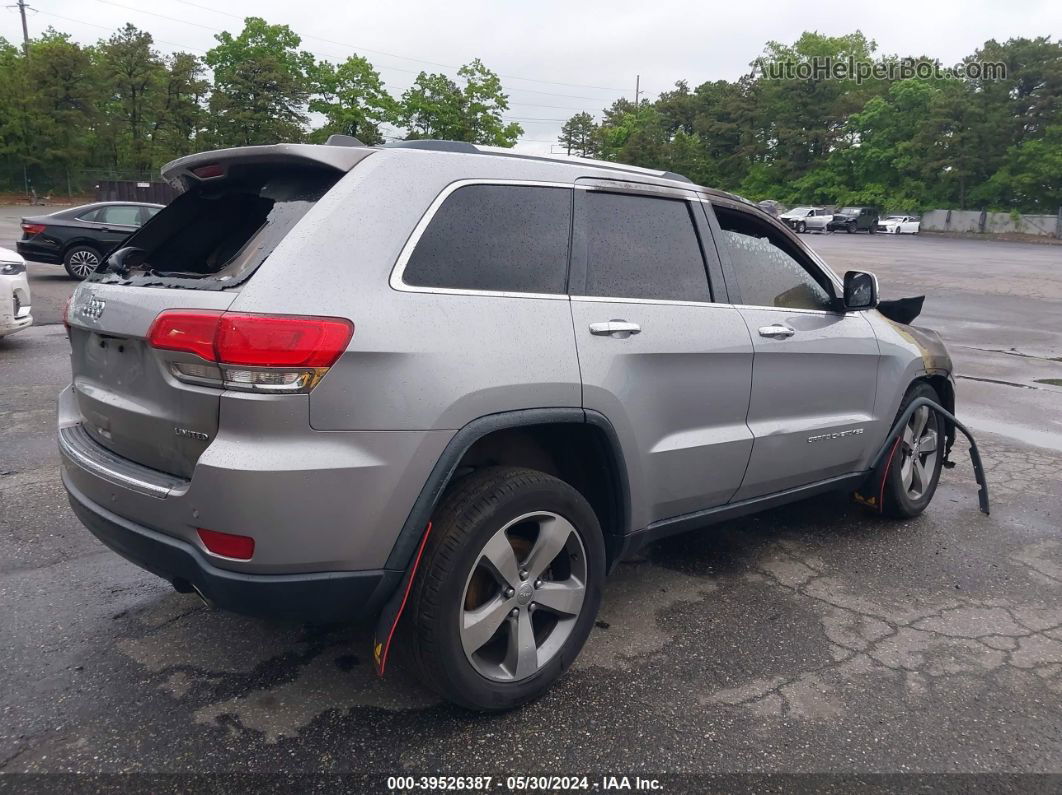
x=860, y=290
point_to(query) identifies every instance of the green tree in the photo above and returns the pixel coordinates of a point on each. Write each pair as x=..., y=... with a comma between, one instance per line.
x=436, y=107
x=62, y=96
x=483, y=102
x=353, y=99
x=134, y=75
x=182, y=117
x=578, y=135
x=262, y=84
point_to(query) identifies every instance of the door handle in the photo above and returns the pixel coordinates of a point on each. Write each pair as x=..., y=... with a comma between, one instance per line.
x=776, y=331
x=620, y=329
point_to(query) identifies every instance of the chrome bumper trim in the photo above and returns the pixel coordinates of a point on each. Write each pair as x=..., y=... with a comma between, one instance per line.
x=80, y=448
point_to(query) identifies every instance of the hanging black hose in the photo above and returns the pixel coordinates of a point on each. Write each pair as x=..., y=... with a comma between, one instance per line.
x=975, y=456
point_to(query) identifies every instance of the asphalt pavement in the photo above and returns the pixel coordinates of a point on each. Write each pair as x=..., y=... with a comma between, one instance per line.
x=813, y=638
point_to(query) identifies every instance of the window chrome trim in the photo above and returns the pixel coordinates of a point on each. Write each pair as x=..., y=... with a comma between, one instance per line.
x=795, y=310
x=397, y=282
x=605, y=299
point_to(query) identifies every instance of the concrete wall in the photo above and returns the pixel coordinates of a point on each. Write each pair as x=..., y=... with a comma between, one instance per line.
x=976, y=221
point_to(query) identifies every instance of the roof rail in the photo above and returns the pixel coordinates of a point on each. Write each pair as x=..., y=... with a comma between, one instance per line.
x=472, y=149
x=587, y=161
x=434, y=145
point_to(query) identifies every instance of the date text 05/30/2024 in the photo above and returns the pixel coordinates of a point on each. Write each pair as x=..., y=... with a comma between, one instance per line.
x=522, y=783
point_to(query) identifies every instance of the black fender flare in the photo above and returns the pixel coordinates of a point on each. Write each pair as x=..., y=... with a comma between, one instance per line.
x=409, y=536
x=409, y=545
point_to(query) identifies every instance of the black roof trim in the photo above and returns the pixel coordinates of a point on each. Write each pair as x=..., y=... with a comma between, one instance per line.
x=434, y=145
x=337, y=139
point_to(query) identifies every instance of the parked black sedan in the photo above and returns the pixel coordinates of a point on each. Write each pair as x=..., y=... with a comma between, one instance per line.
x=79, y=238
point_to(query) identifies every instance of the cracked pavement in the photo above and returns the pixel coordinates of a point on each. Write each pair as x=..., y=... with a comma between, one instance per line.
x=816, y=637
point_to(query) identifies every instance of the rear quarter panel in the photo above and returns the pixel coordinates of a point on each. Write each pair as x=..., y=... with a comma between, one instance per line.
x=417, y=360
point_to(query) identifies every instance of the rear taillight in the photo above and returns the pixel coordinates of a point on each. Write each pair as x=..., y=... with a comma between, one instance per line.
x=33, y=229
x=260, y=353
x=228, y=545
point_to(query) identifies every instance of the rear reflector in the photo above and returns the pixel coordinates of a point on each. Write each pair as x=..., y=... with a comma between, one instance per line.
x=281, y=353
x=228, y=545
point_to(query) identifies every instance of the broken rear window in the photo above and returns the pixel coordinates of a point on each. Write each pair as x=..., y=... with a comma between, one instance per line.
x=217, y=234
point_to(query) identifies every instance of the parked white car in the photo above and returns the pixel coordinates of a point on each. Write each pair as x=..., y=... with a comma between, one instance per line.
x=807, y=219
x=899, y=225
x=14, y=293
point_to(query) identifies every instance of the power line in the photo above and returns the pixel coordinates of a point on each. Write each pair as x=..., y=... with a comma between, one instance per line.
x=406, y=57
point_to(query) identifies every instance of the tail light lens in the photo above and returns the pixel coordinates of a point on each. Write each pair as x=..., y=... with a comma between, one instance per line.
x=33, y=229
x=260, y=353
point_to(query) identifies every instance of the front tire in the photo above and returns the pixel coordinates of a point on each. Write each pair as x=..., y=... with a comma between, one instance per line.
x=915, y=467
x=80, y=261
x=801, y=227
x=509, y=588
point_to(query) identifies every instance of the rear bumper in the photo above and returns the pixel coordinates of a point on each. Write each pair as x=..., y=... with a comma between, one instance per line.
x=36, y=252
x=321, y=596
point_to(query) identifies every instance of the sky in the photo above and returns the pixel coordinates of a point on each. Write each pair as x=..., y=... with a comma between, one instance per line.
x=557, y=58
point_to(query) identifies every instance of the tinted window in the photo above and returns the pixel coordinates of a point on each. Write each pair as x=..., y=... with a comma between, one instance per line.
x=509, y=238
x=769, y=271
x=91, y=215
x=119, y=214
x=640, y=247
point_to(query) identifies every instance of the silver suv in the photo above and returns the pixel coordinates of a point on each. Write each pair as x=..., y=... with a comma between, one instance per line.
x=343, y=381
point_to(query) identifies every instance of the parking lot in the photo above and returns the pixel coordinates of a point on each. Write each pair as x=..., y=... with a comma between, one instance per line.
x=812, y=638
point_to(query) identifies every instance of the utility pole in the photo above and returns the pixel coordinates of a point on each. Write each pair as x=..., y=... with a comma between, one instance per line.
x=637, y=78
x=21, y=6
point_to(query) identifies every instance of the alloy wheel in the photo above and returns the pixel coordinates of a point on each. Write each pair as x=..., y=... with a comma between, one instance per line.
x=523, y=596
x=83, y=262
x=920, y=448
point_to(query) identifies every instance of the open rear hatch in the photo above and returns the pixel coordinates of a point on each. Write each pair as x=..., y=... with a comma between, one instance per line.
x=193, y=255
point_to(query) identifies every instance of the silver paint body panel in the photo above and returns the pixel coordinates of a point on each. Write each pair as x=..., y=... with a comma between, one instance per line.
x=705, y=410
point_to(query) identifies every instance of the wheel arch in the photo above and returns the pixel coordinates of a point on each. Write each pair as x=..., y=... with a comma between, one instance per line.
x=82, y=242
x=577, y=446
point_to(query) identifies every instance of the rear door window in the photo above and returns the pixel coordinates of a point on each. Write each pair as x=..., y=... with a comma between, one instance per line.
x=119, y=214
x=217, y=234
x=643, y=247
x=500, y=238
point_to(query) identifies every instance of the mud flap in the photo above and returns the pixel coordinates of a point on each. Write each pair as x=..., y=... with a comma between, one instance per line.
x=872, y=491
x=392, y=611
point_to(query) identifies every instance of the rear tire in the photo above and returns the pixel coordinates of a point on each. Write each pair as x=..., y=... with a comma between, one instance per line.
x=509, y=588
x=80, y=261
x=915, y=467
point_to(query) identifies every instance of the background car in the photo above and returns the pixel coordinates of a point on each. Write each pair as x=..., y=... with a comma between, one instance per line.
x=14, y=294
x=900, y=225
x=855, y=219
x=805, y=219
x=79, y=238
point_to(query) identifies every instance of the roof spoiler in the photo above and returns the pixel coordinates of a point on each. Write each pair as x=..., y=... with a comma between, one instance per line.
x=342, y=153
